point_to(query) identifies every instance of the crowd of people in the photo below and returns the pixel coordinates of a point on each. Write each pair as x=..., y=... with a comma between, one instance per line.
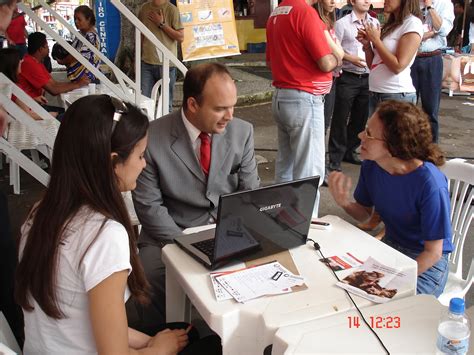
x=80, y=281
x=385, y=70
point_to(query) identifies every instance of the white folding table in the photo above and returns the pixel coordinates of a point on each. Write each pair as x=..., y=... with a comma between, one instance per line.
x=406, y=326
x=248, y=328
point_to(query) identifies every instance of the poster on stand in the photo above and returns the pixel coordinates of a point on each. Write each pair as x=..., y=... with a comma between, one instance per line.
x=209, y=29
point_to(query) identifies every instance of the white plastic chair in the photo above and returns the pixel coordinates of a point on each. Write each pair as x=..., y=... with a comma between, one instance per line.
x=460, y=175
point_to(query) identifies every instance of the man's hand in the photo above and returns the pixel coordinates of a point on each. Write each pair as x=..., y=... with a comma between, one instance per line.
x=357, y=61
x=156, y=17
x=41, y=100
x=427, y=35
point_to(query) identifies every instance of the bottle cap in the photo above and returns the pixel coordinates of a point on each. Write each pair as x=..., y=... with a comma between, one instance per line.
x=456, y=305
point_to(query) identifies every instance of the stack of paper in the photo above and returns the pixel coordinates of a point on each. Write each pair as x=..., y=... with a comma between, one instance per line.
x=249, y=283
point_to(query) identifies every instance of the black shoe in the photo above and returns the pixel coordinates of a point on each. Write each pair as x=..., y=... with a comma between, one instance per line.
x=352, y=159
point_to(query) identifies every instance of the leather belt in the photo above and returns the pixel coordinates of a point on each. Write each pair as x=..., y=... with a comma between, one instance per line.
x=428, y=54
x=364, y=75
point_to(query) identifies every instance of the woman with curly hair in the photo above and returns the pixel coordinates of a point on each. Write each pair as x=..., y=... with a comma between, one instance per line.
x=401, y=180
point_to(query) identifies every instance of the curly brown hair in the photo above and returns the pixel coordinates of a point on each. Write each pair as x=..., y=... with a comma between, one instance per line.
x=407, y=132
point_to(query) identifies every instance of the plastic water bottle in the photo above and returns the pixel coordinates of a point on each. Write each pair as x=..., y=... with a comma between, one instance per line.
x=454, y=329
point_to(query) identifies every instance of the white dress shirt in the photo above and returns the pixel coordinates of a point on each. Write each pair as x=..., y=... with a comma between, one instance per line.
x=445, y=10
x=346, y=32
x=193, y=133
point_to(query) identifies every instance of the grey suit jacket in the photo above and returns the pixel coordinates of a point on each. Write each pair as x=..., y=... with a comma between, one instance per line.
x=173, y=193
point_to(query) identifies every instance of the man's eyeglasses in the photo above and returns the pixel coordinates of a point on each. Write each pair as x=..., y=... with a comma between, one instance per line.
x=370, y=136
x=120, y=109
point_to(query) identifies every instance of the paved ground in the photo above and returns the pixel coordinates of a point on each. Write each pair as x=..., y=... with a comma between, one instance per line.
x=456, y=128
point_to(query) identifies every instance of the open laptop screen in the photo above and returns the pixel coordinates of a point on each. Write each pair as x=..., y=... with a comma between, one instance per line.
x=266, y=220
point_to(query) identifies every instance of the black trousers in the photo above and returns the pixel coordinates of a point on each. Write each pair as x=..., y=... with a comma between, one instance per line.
x=150, y=319
x=210, y=345
x=150, y=316
x=351, y=110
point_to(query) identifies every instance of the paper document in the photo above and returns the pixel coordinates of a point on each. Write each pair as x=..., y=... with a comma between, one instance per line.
x=375, y=281
x=342, y=262
x=246, y=284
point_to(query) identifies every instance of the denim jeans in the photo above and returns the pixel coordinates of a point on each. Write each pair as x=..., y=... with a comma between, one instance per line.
x=433, y=280
x=300, y=119
x=150, y=74
x=427, y=75
x=375, y=98
x=349, y=117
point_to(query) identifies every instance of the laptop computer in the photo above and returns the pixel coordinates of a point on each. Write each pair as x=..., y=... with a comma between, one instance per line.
x=255, y=223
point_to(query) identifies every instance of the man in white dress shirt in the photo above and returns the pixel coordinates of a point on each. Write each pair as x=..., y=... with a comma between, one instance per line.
x=351, y=107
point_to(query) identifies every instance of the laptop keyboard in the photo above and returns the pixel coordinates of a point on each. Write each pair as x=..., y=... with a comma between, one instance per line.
x=206, y=247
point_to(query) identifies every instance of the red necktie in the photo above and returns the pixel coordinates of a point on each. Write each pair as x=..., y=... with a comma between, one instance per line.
x=205, y=152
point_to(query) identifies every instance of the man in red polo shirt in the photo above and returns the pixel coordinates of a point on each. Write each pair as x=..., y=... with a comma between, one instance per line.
x=34, y=78
x=301, y=55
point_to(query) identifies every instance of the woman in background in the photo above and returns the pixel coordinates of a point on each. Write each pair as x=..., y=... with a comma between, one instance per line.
x=400, y=178
x=325, y=9
x=84, y=19
x=391, y=51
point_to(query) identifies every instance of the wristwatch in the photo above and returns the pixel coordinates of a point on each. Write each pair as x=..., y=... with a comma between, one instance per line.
x=428, y=8
x=162, y=24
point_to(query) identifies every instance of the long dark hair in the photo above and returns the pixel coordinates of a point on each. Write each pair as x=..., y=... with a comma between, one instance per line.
x=407, y=7
x=82, y=174
x=407, y=132
x=9, y=62
x=326, y=17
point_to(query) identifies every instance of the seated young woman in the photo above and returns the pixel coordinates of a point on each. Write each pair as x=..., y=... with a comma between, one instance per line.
x=78, y=260
x=401, y=180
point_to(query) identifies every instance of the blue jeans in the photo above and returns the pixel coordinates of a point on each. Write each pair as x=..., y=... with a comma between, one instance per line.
x=433, y=280
x=150, y=74
x=300, y=119
x=427, y=75
x=376, y=97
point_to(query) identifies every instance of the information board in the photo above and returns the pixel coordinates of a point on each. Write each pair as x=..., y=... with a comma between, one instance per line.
x=209, y=29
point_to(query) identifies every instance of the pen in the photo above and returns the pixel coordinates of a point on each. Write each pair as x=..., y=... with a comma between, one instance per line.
x=320, y=223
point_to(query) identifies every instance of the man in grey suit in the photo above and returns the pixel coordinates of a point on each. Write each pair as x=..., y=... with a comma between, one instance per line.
x=180, y=188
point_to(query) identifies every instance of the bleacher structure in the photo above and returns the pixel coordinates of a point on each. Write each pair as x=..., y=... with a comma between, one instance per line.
x=24, y=133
